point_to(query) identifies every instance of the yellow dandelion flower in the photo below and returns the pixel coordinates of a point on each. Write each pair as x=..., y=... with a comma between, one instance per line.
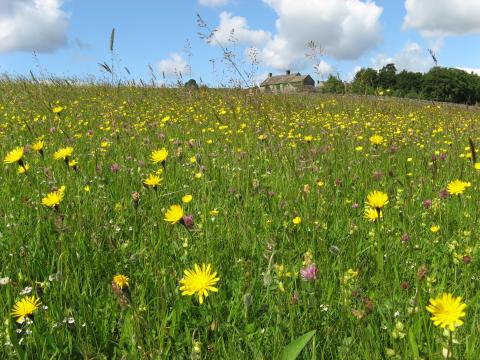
x=159, y=156
x=121, y=281
x=376, y=139
x=25, y=308
x=57, y=109
x=187, y=198
x=377, y=200
x=457, y=187
x=63, y=153
x=174, y=214
x=14, y=156
x=447, y=311
x=53, y=199
x=152, y=181
x=23, y=169
x=199, y=280
x=38, y=145
x=435, y=228
x=372, y=214
x=297, y=220
x=477, y=166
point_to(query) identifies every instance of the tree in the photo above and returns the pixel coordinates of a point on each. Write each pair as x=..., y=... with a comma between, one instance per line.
x=191, y=84
x=365, y=81
x=452, y=85
x=387, y=77
x=408, y=83
x=333, y=85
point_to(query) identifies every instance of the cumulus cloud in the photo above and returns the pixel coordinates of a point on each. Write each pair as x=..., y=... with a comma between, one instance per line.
x=323, y=69
x=412, y=58
x=345, y=29
x=235, y=28
x=213, y=3
x=32, y=25
x=173, y=66
x=439, y=18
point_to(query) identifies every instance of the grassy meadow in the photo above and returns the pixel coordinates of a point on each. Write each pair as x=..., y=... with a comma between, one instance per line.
x=278, y=189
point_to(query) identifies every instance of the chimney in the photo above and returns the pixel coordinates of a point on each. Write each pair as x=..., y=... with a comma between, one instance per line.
x=288, y=72
x=270, y=74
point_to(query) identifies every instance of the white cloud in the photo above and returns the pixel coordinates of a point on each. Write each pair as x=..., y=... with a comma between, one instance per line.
x=213, y=3
x=345, y=29
x=351, y=74
x=173, y=66
x=323, y=69
x=471, y=70
x=235, y=28
x=439, y=18
x=32, y=25
x=412, y=58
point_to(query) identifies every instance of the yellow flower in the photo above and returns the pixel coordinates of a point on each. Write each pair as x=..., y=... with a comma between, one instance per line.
x=63, y=153
x=14, y=156
x=199, y=280
x=296, y=220
x=477, y=166
x=159, y=156
x=377, y=200
x=72, y=163
x=262, y=137
x=121, y=281
x=25, y=308
x=372, y=214
x=152, y=181
x=435, y=228
x=86, y=188
x=198, y=175
x=213, y=212
x=54, y=199
x=23, y=169
x=38, y=146
x=174, y=214
x=376, y=139
x=57, y=109
x=457, y=187
x=187, y=198
x=447, y=311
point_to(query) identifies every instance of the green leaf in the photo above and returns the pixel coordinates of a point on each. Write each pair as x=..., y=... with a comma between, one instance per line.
x=413, y=344
x=292, y=350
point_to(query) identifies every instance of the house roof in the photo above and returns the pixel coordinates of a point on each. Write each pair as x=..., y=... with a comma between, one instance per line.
x=283, y=79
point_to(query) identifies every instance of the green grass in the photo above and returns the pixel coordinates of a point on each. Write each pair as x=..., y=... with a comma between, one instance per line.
x=258, y=187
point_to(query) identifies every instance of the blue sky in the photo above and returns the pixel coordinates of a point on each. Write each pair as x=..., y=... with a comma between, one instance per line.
x=71, y=37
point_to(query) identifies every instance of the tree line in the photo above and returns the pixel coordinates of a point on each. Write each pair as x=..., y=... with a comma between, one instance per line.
x=439, y=84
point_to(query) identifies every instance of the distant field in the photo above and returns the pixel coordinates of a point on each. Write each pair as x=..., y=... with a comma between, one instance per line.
x=279, y=207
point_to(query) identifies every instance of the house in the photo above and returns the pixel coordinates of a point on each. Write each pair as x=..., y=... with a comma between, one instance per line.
x=287, y=83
